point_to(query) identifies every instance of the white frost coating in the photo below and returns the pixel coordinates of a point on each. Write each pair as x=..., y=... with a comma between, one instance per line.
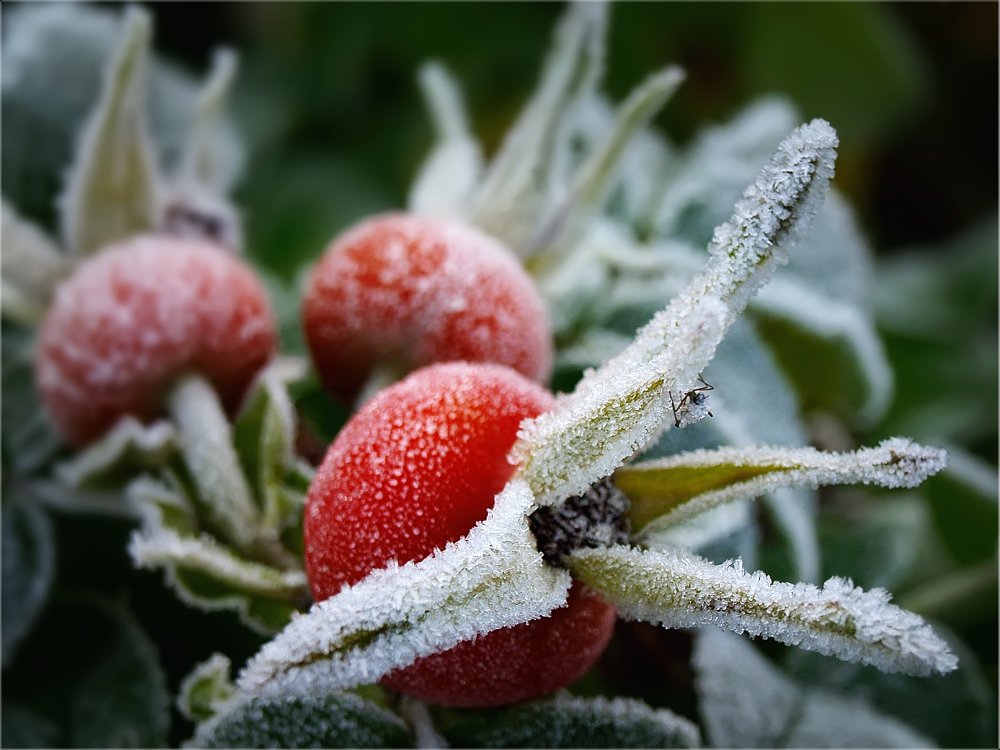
x=128, y=441
x=619, y=409
x=833, y=319
x=111, y=190
x=164, y=548
x=894, y=463
x=679, y=590
x=492, y=578
x=451, y=173
x=515, y=190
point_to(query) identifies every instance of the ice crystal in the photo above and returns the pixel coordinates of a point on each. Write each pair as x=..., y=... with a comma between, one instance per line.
x=490, y=579
x=620, y=408
x=676, y=589
x=672, y=490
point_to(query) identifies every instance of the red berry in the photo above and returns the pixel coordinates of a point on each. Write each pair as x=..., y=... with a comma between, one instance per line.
x=402, y=291
x=417, y=467
x=137, y=316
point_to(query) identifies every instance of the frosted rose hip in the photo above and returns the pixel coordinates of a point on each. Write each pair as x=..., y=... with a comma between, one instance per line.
x=416, y=468
x=400, y=291
x=139, y=315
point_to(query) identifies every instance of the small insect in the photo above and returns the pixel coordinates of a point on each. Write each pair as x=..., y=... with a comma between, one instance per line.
x=696, y=397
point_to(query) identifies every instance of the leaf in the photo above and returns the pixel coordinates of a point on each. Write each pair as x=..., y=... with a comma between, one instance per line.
x=565, y=721
x=319, y=720
x=205, y=690
x=111, y=190
x=747, y=702
x=671, y=490
x=28, y=569
x=516, y=189
x=677, y=589
x=22, y=727
x=122, y=700
x=130, y=445
x=620, y=408
x=491, y=578
x=451, y=172
x=29, y=440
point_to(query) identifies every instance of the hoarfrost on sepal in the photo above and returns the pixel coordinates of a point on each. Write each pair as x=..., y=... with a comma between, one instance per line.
x=492, y=578
x=671, y=490
x=676, y=589
x=112, y=188
x=206, y=688
x=201, y=161
x=129, y=444
x=452, y=171
x=619, y=409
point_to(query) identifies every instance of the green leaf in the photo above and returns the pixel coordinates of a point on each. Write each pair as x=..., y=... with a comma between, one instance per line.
x=92, y=671
x=204, y=692
x=565, y=721
x=22, y=727
x=747, y=702
x=112, y=187
x=328, y=720
x=29, y=441
x=28, y=568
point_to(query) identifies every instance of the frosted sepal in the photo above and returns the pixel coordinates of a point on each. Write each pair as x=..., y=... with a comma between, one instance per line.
x=202, y=162
x=452, y=170
x=517, y=188
x=30, y=267
x=619, y=409
x=129, y=444
x=672, y=490
x=679, y=590
x=492, y=578
x=111, y=191
x=205, y=690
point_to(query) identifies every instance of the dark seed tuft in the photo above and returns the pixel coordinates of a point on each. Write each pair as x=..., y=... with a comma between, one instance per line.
x=597, y=518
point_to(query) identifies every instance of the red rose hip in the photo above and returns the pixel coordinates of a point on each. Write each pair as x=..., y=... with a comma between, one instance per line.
x=417, y=467
x=137, y=317
x=398, y=292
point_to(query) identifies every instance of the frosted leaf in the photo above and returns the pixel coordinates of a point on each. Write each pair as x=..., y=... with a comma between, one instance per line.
x=29, y=566
x=619, y=409
x=676, y=589
x=832, y=320
x=202, y=163
x=745, y=701
x=568, y=721
x=596, y=176
x=128, y=445
x=30, y=267
x=452, y=170
x=205, y=690
x=516, y=189
x=671, y=490
x=319, y=720
x=206, y=442
x=111, y=191
x=492, y=578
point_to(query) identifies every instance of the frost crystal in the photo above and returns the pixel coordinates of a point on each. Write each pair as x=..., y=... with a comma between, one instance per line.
x=492, y=578
x=676, y=589
x=619, y=409
x=673, y=490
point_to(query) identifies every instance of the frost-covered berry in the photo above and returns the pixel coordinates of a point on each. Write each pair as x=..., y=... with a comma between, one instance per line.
x=416, y=468
x=398, y=292
x=137, y=317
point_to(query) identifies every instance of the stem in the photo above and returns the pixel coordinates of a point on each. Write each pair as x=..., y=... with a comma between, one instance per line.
x=381, y=377
x=206, y=442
